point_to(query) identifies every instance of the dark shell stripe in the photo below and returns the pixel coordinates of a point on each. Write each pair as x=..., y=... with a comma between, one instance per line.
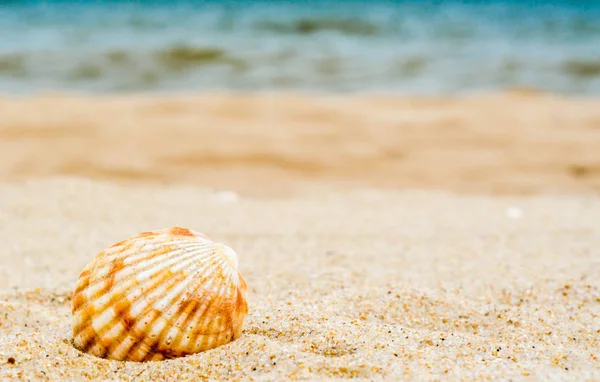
x=154, y=290
x=205, y=294
x=129, y=347
x=150, y=253
x=215, y=301
x=180, y=231
x=157, y=344
x=122, y=325
x=197, y=322
x=138, y=249
x=143, y=348
x=114, y=251
x=122, y=288
x=147, y=343
x=78, y=300
x=157, y=262
x=209, y=273
x=116, y=298
x=200, y=330
x=183, y=287
x=189, y=279
x=131, y=324
x=191, y=317
x=90, y=310
x=182, y=260
x=137, y=349
x=167, y=249
x=133, y=272
x=185, y=314
x=223, y=309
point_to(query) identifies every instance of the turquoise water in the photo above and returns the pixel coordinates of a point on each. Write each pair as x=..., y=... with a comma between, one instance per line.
x=323, y=46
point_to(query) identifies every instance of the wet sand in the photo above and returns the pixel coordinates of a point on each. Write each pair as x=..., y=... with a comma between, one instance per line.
x=380, y=238
x=515, y=142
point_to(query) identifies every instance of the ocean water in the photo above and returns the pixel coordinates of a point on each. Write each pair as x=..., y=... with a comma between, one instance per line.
x=406, y=47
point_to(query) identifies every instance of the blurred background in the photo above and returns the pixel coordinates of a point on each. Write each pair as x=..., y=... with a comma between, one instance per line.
x=402, y=47
x=266, y=96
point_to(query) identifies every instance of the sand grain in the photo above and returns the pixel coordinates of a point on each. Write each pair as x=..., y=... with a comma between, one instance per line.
x=354, y=284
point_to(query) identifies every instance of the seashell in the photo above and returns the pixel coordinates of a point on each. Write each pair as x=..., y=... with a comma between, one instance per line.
x=158, y=295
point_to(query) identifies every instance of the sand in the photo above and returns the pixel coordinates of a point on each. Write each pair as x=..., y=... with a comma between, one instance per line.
x=471, y=253
x=514, y=142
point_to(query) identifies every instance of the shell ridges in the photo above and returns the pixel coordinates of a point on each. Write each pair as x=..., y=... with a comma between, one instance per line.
x=160, y=294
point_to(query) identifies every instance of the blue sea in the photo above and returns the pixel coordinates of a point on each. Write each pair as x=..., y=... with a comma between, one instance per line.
x=404, y=47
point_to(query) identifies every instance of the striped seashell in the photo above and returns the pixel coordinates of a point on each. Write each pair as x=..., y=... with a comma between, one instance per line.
x=158, y=295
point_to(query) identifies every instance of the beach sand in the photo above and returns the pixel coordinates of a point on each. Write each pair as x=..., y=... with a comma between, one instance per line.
x=514, y=142
x=380, y=238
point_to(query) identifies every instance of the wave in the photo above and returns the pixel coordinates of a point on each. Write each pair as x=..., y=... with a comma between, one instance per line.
x=181, y=66
x=182, y=57
x=308, y=26
x=13, y=65
x=582, y=69
x=324, y=46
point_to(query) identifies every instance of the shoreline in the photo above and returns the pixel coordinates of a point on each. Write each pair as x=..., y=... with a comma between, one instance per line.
x=501, y=143
x=516, y=90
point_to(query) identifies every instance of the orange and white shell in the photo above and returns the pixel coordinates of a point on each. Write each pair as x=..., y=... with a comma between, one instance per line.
x=161, y=294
